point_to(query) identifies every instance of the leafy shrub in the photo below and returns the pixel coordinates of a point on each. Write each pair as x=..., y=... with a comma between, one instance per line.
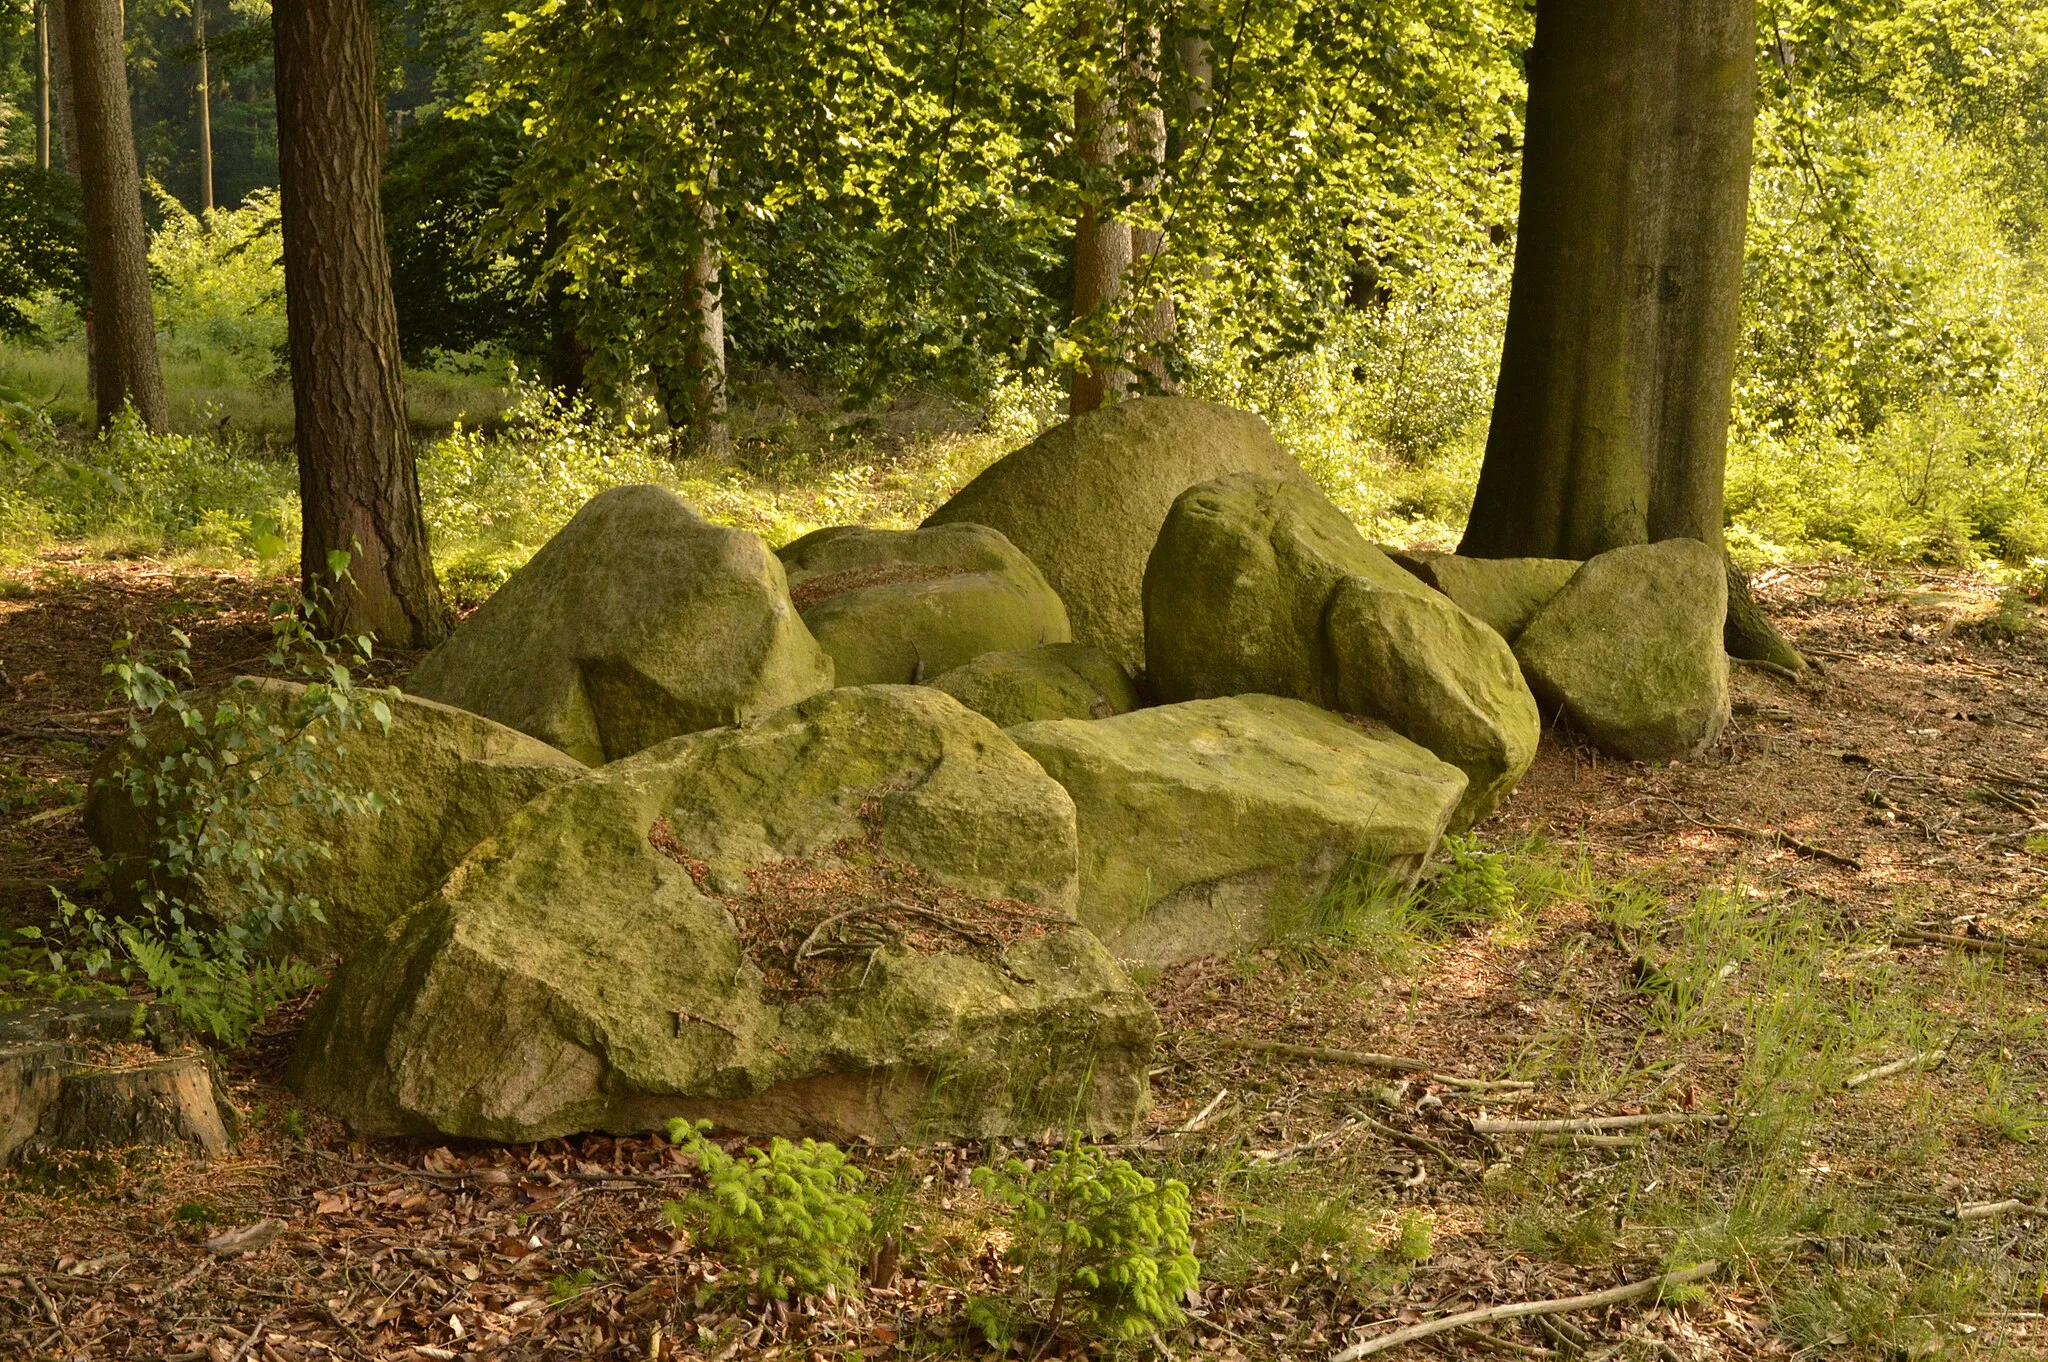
x=209, y=900
x=194, y=491
x=219, y=289
x=1106, y=1246
x=789, y=1215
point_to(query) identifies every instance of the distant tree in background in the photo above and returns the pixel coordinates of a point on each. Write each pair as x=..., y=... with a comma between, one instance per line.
x=358, y=483
x=124, y=359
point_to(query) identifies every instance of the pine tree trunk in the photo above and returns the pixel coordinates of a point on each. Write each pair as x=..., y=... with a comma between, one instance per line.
x=1611, y=414
x=1102, y=246
x=42, y=41
x=205, y=110
x=117, y=247
x=358, y=485
x=63, y=110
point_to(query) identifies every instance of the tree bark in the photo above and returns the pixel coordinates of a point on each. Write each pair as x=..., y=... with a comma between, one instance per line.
x=568, y=358
x=42, y=41
x=1102, y=245
x=117, y=247
x=205, y=111
x=707, y=431
x=1146, y=129
x=358, y=484
x=63, y=110
x=1610, y=417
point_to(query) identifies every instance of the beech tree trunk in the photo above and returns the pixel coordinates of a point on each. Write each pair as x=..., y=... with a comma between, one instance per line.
x=124, y=360
x=358, y=485
x=1102, y=245
x=707, y=430
x=1146, y=128
x=1610, y=418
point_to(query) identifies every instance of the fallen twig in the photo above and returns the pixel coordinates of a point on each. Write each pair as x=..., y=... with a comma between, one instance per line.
x=1613, y=1295
x=255, y=1335
x=49, y=1306
x=1201, y=1118
x=2002, y=945
x=1365, y=1059
x=1419, y=1143
x=1919, y=1059
x=1972, y=1212
x=1488, y=1343
x=1583, y=1125
x=1775, y=836
x=51, y=734
x=1582, y=1141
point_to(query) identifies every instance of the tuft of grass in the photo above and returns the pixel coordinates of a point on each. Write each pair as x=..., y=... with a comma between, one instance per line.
x=2005, y=1115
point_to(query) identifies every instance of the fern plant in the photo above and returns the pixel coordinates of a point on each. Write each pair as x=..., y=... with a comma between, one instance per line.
x=790, y=1215
x=1109, y=1248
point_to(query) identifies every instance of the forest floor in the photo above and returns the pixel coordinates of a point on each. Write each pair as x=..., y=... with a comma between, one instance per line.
x=1731, y=941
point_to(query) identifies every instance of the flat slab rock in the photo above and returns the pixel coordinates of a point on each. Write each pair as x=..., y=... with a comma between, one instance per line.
x=1206, y=826
x=60, y=1093
x=852, y=918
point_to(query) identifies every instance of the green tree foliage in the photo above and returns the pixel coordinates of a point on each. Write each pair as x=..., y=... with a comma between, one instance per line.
x=42, y=245
x=455, y=287
x=1890, y=393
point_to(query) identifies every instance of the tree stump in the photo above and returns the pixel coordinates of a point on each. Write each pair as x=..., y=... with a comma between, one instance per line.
x=61, y=1091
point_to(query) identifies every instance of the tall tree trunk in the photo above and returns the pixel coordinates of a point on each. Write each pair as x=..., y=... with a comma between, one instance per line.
x=117, y=247
x=708, y=432
x=43, y=84
x=568, y=356
x=205, y=110
x=63, y=109
x=1146, y=128
x=358, y=485
x=1610, y=419
x=1102, y=244
x=690, y=385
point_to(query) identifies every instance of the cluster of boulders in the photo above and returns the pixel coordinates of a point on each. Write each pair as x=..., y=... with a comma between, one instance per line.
x=863, y=837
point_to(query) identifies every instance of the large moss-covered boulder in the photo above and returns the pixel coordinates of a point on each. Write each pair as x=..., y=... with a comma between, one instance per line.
x=850, y=919
x=1261, y=584
x=1208, y=825
x=899, y=606
x=640, y=620
x=1061, y=681
x=447, y=779
x=1631, y=652
x=1085, y=500
x=1440, y=677
x=1506, y=593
